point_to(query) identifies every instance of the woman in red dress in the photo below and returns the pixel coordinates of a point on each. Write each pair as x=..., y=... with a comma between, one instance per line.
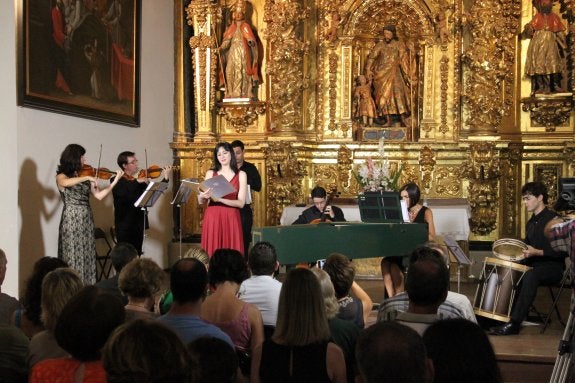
x=222, y=226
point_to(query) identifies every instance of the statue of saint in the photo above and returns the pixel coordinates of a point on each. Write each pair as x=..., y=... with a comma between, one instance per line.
x=546, y=52
x=365, y=106
x=239, y=52
x=391, y=68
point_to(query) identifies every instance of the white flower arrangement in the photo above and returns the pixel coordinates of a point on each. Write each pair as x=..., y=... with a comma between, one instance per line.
x=378, y=175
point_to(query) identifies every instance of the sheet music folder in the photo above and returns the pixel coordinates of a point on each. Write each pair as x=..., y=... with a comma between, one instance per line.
x=219, y=184
x=151, y=194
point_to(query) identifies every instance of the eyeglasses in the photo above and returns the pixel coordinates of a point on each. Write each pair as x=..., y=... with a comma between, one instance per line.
x=132, y=162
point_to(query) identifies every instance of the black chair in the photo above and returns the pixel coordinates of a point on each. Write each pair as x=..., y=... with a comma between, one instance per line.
x=566, y=281
x=103, y=261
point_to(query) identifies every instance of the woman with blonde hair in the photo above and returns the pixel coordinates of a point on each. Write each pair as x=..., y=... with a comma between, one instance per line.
x=300, y=349
x=58, y=286
x=344, y=333
x=141, y=280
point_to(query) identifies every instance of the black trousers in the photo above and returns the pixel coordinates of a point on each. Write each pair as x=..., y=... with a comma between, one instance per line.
x=542, y=274
x=247, y=217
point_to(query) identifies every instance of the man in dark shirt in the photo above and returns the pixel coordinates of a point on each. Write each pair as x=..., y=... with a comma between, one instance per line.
x=546, y=264
x=128, y=219
x=319, y=208
x=255, y=184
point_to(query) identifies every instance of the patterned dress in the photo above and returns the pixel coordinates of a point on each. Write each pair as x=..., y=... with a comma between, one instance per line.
x=222, y=226
x=76, y=242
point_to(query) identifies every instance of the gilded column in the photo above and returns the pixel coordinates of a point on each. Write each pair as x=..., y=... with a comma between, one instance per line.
x=203, y=15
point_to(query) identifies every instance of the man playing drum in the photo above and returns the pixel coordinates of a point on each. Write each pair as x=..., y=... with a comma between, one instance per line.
x=546, y=264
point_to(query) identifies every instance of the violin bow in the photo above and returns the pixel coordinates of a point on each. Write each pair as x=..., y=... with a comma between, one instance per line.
x=99, y=159
x=146, y=156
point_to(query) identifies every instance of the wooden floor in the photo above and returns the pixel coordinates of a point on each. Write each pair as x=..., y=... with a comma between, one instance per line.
x=527, y=357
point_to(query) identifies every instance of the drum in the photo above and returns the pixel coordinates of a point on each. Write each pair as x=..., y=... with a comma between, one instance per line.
x=497, y=287
x=509, y=249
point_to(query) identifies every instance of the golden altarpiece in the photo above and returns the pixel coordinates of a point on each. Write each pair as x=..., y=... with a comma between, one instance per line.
x=475, y=130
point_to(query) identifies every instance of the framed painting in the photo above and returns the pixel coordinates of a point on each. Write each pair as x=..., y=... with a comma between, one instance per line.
x=80, y=57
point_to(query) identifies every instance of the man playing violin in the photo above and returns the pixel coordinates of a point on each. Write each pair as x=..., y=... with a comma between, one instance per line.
x=546, y=263
x=321, y=208
x=128, y=219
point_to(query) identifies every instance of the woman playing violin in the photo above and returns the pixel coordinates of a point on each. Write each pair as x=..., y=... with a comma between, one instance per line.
x=128, y=219
x=320, y=209
x=76, y=242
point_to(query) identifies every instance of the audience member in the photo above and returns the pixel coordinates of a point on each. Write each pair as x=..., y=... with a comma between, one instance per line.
x=194, y=252
x=355, y=308
x=144, y=351
x=214, y=361
x=58, y=287
x=344, y=333
x=82, y=329
x=120, y=255
x=392, y=352
x=300, y=349
x=188, y=283
x=240, y=320
x=461, y=352
x=455, y=305
x=13, y=349
x=427, y=286
x=141, y=280
x=28, y=319
x=8, y=304
x=262, y=289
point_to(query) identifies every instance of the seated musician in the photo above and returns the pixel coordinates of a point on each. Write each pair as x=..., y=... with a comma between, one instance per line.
x=320, y=208
x=392, y=268
x=546, y=264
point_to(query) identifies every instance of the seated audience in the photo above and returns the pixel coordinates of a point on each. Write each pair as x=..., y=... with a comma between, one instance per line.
x=262, y=289
x=120, y=255
x=354, y=303
x=188, y=283
x=8, y=304
x=461, y=352
x=455, y=306
x=194, y=252
x=58, y=287
x=300, y=349
x=392, y=352
x=141, y=280
x=82, y=329
x=28, y=319
x=240, y=320
x=13, y=350
x=427, y=286
x=214, y=361
x=344, y=333
x=145, y=351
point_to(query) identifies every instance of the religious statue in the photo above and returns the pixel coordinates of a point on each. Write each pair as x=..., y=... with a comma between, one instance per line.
x=391, y=67
x=545, y=60
x=239, y=53
x=365, y=106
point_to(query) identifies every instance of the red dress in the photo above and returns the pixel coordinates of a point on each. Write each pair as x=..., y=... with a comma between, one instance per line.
x=222, y=226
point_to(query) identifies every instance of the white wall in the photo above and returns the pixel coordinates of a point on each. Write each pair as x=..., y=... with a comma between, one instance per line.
x=32, y=141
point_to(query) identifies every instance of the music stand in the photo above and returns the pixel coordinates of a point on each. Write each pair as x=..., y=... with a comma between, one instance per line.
x=148, y=199
x=460, y=257
x=181, y=197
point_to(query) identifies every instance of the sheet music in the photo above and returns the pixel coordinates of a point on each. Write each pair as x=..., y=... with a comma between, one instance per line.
x=183, y=193
x=219, y=184
x=462, y=259
x=151, y=194
x=249, y=195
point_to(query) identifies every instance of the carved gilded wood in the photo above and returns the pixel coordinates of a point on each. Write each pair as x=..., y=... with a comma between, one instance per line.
x=474, y=131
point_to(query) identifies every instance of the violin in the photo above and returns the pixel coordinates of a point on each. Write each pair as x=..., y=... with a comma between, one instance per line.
x=154, y=171
x=102, y=173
